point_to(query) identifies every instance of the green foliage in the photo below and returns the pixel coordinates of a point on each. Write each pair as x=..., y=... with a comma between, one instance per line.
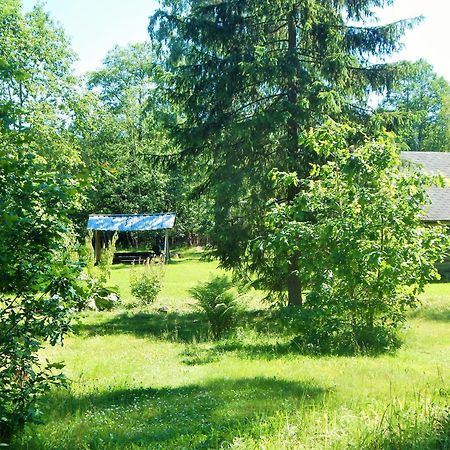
x=39, y=191
x=426, y=426
x=38, y=282
x=37, y=86
x=106, y=258
x=105, y=298
x=220, y=304
x=96, y=295
x=417, y=108
x=32, y=226
x=247, y=78
x=119, y=138
x=86, y=253
x=146, y=282
x=122, y=142
x=364, y=254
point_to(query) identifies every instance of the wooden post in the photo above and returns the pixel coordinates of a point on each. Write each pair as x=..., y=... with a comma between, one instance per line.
x=98, y=246
x=166, y=247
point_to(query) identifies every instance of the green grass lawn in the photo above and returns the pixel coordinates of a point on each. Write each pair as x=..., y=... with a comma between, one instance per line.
x=145, y=379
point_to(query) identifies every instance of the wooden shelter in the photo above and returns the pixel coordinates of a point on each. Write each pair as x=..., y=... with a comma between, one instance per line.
x=131, y=222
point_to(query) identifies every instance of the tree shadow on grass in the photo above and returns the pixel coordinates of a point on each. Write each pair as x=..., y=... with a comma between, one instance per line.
x=168, y=326
x=199, y=355
x=267, y=350
x=173, y=326
x=194, y=416
x=439, y=314
x=270, y=338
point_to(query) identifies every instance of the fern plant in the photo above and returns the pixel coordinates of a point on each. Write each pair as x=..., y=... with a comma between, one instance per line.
x=220, y=303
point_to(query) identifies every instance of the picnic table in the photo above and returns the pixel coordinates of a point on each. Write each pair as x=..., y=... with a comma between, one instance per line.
x=133, y=257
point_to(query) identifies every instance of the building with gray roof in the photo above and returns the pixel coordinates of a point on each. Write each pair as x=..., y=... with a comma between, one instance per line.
x=434, y=163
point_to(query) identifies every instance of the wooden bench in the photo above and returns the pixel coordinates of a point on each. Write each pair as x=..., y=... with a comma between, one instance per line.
x=133, y=257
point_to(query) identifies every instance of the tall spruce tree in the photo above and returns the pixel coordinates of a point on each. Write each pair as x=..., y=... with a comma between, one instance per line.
x=248, y=77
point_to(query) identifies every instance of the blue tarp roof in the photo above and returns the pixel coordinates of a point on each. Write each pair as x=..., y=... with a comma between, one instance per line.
x=131, y=222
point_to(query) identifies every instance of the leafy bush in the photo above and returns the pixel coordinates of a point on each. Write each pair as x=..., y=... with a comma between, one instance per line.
x=356, y=230
x=326, y=330
x=101, y=271
x=26, y=323
x=220, y=303
x=86, y=254
x=97, y=296
x=146, y=282
x=106, y=298
x=106, y=258
x=38, y=281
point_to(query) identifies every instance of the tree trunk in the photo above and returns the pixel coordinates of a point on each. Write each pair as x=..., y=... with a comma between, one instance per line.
x=294, y=287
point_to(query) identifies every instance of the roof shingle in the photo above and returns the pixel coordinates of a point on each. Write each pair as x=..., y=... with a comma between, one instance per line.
x=434, y=163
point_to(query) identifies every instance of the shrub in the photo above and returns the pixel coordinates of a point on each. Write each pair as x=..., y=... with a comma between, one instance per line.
x=38, y=281
x=27, y=323
x=93, y=280
x=106, y=258
x=326, y=330
x=355, y=227
x=220, y=303
x=106, y=298
x=146, y=282
x=97, y=296
x=86, y=254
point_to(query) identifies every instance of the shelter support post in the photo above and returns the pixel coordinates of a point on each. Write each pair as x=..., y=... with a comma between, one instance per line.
x=98, y=246
x=166, y=247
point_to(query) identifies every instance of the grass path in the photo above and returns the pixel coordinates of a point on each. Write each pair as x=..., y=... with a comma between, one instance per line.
x=144, y=379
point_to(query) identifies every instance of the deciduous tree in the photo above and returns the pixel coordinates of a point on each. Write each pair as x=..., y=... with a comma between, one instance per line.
x=122, y=141
x=417, y=108
x=37, y=86
x=38, y=192
x=365, y=254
